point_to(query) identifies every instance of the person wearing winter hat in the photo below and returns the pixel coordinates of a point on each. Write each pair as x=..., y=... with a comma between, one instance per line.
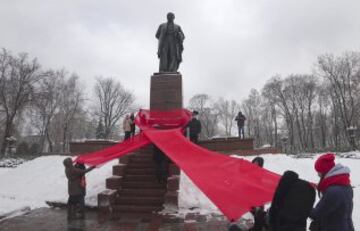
x=76, y=188
x=334, y=210
x=194, y=127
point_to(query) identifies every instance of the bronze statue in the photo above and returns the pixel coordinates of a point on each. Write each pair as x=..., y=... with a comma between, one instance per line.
x=170, y=46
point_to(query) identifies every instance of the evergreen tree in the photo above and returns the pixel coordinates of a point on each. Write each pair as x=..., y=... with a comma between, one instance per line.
x=100, y=133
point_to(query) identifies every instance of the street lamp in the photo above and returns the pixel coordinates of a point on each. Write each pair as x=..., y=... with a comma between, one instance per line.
x=352, y=133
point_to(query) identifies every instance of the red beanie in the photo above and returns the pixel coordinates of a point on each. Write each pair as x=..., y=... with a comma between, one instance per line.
x=325, y=162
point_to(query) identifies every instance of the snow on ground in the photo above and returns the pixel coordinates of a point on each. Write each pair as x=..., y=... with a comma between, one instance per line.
x=3, y=170
x=11, y=162
x=34, y=182
x=43, y=179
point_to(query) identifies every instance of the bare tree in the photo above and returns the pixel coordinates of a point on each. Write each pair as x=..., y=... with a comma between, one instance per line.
x=207, y=114
x=300, y=92
x=227, y=111
x=18, y=76
x=275, y=89
x=252, y=110
x=270, y=102
x=46, y=104
x=343, y=74
x=113, y=102
x=70, y=106
x=321, y=116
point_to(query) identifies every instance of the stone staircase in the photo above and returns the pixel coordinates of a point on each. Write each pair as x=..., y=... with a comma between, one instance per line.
x=134, y=191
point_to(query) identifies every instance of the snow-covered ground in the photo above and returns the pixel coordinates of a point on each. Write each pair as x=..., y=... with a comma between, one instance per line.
x=11, y=162
x=43, y=179
x=34, y=182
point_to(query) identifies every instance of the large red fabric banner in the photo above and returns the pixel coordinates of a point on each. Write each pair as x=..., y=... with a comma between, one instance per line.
x=234, y=185
x=147, y=119
x=115, y=151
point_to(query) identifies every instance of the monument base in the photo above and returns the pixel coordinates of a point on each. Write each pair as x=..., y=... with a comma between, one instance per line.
x=166, y=91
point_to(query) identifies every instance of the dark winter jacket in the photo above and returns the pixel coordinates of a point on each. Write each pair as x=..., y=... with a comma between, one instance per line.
x=74, y=176
x=132, y=118
x=292, y=203
x=158, y=155
x=194, y=127
x=334, y=210
x=240, y=119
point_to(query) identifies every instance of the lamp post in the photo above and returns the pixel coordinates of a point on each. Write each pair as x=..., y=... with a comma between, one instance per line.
x=352, y=134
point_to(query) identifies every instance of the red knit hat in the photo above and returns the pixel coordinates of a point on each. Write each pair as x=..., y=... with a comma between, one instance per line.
x=325, y=162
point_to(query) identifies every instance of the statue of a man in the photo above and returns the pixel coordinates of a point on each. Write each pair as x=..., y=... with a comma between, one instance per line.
x=170, y=47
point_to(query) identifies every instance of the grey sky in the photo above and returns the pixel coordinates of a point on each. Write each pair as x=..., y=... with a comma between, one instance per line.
x=230, y=46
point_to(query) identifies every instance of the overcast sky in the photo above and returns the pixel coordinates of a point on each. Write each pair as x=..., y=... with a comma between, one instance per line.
x=231, y=46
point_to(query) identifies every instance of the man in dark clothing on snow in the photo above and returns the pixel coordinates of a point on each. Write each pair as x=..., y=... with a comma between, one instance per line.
x=334, y=210
x=291, y=204
x=240, y=119
x=194, y=128
x=76, y=188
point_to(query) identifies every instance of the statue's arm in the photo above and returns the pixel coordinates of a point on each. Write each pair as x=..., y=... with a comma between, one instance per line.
x=158, y=32
x=181, y=34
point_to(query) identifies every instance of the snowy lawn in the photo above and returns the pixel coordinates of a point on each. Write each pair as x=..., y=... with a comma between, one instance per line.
x=34, y=182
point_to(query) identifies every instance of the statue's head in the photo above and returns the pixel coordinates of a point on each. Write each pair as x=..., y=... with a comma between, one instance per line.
x=170, y=17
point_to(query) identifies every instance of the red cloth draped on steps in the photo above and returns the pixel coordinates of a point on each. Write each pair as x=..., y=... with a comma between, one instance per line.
x=113, y=152
x=234, y=185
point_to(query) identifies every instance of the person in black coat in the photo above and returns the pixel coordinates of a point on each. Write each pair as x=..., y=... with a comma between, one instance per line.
x=258, y=212
x=162, y=164
x=292, y=203
x=132, y=118
x=240, y=120
x=194, y=128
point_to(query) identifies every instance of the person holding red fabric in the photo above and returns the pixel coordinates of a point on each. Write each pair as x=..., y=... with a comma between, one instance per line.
x=334, y=210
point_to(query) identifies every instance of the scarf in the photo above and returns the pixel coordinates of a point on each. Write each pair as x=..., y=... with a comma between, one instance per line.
x=342, y=179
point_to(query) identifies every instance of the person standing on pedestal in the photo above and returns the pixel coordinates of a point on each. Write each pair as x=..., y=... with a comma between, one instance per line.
x=127, y=127
x=194, y=128
x=170, y=46
x=132, y=118
x=240, y=119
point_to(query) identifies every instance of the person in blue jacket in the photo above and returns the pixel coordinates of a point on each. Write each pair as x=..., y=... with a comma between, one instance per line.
x=334, y=210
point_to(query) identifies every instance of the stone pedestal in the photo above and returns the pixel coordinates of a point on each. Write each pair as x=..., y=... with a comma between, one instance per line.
x=166, y=91
x=166, y=95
